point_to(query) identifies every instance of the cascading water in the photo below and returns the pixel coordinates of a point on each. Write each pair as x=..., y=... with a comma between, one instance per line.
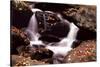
x=62, y=47
x=32, y=30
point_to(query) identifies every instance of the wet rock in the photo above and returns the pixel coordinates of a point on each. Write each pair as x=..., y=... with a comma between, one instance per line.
x=85, y=52
x=19, y=40
x=40, y=53
x=20, y=13
x=50, y=24
x=82, y=16
x=22, y=61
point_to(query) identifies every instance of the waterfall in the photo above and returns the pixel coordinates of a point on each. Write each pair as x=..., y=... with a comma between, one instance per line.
x=61, y=49
x=32, y=29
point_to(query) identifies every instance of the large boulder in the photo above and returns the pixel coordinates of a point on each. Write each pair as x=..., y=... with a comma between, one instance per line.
x=50, y=24
x=83, y=16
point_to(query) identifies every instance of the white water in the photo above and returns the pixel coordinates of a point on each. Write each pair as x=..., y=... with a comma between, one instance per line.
x=62, y=47
x=32, y=29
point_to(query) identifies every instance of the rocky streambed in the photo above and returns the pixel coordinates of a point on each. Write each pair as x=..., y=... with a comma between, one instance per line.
x=83, y=48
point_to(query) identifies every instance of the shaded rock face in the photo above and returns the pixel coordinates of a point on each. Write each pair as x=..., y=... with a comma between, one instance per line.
x=85, y=34
x=18, y=39
x=85, y=52
x=55, y=7
x=20, y=14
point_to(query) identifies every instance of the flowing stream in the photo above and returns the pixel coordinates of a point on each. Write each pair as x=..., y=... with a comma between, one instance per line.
x=62, y=47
